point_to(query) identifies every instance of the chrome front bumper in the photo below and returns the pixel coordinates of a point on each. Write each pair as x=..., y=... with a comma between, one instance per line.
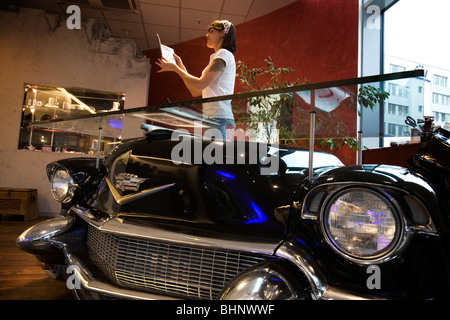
x=86, y=282
x=41, y=240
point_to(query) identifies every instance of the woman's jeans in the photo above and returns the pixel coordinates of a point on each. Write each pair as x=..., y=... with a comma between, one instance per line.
x=222, y=126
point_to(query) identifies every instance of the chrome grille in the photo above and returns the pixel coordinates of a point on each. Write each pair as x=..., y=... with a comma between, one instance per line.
x=187, y=272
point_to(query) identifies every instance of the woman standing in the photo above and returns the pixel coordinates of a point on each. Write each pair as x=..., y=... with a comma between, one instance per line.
x=217, y=78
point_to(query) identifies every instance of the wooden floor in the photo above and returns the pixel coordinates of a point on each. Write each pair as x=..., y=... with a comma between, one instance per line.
x=21, y=276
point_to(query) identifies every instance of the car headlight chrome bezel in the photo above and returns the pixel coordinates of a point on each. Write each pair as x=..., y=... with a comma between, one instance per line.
x=62, y=185
x=393, y=214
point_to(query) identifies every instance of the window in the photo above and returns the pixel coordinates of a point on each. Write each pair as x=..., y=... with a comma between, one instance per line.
x=396, y=68
x=440, y=116
x=435, y=98
x=396, y=130
x=440, y=80
x=44, y=103
x=404, y=131
x=399, y=110
x=391, y=129
x=441, y=99
x=403, y=110
x=391, y=108
x=400, y=30
x=398, y=90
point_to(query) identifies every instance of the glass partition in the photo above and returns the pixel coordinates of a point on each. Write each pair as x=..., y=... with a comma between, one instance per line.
x=278, y=116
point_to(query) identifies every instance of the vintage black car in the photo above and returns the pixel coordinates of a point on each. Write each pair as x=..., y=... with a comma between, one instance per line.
x=247, y=221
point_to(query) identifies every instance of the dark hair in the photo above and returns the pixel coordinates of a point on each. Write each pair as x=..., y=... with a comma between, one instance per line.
x=229, y=41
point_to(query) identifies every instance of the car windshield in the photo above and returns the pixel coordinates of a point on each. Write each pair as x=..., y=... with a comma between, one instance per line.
x=297, y=160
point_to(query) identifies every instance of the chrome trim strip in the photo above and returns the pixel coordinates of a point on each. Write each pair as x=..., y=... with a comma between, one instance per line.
x=87, y=216
x=118, y=227
x=320, y=289
x=115, y=226
x=378, y=186
x=341, y=185
x=121, y=200
x=110, y=290
x=307, y=265
x=107, y=289
x=338, y=294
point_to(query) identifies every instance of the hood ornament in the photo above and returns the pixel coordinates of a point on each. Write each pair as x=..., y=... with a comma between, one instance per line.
x=128, y=181
x=122, y=200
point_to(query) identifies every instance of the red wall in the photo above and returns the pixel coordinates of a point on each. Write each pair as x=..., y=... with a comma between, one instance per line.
x=317, y=38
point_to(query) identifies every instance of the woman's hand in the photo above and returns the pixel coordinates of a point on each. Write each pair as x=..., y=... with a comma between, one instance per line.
x=179, y=62
x=194, y=84
x=165, y=65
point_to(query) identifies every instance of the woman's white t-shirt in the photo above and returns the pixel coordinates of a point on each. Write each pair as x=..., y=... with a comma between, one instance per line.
x=223, y=85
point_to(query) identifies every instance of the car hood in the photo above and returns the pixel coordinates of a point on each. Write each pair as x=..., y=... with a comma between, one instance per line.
x=232, y=201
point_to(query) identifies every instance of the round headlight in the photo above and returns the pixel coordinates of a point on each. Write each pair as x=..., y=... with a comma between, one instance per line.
x=362, y=224
x=62, y=185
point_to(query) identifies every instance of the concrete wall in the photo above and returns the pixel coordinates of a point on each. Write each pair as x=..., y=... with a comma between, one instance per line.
x=38, y=48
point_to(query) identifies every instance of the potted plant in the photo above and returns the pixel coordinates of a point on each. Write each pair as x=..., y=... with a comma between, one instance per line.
x=270, y=117
x=281, y=117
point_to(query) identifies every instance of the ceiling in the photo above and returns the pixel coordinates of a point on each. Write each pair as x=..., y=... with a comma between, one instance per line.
x=174, y=20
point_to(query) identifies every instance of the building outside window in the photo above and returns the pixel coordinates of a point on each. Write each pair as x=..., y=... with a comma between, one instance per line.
x=392, y=108
x=400, y=33
x=398, y=90
x=397, y=68
x=441, y=99
x=391, y=129
x=440, y=80
x=440, y=116
x=403, y=111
